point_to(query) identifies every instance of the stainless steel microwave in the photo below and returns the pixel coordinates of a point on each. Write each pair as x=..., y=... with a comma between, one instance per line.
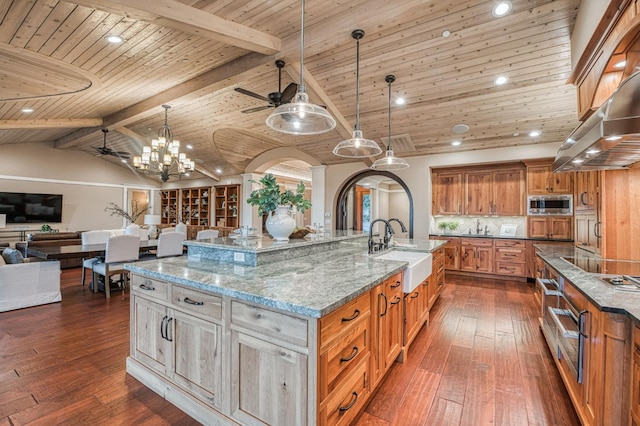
x=559, y=205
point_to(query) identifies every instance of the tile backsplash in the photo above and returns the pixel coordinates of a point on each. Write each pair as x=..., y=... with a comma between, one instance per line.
x=470, y=223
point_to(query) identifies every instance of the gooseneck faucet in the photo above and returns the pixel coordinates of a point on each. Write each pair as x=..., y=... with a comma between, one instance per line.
x=478, y=229
x=384, y=244
x=402, y=227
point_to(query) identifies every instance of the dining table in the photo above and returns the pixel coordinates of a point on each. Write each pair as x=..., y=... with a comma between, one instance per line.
x=80, y=250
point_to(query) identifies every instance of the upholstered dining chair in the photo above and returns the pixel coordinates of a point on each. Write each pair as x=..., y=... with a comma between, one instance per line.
x=92, y=237
x=170, y=244
x=207, y=234
x=120, y=250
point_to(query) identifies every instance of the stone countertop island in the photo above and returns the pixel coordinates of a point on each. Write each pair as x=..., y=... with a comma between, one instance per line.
x=257, y=332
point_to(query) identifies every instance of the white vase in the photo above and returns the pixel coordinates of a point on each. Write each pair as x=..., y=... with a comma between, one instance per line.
x=280, y=224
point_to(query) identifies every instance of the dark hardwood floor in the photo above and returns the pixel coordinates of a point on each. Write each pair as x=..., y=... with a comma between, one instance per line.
x=481, y=360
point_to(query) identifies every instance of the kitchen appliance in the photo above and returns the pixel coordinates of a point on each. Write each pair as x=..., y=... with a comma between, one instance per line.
x=562, y=325
x=609, y=138
x=557, y=205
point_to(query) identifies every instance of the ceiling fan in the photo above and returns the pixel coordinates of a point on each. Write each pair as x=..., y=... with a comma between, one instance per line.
x=275, y=99
x=103, y=150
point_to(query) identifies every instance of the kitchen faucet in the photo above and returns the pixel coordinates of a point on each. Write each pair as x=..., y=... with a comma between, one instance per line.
x=478, y=229
x=384, y=244
x=402, y=227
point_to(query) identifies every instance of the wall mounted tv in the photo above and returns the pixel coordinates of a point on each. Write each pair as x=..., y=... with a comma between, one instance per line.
x=23, y=207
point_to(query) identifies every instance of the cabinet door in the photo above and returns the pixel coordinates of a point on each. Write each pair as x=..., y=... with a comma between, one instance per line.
x=276, y=396
x=198, y=357
x=150, y=329
x=411, y=315
x=538, y=181
x=392, y=333
x=635, y=377
x=467, y=258
x=484, y=259
x=452, y=254
x=586, y=191
x=479, y=193
x=447, y=193
x=559, y=227
x=561, y=183
x=537, y=227
x=508, y=190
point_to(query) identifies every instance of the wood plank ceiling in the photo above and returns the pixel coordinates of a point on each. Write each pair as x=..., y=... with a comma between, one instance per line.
x=191, y=55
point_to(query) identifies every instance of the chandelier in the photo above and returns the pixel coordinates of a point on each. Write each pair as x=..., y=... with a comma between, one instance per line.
x=163, y=157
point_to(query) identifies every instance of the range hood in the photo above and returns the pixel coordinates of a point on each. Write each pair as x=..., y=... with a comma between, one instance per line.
x=610, y=138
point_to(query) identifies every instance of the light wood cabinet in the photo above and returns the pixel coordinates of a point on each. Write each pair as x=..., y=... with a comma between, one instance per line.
x=451, y=252
x=511, y=258
x=227, y=206
x=541, y=180
x=169, y=206
x=479, y=191
x=587, y=191
x=436, y=279
x=195, y=205
x=387, y=313
x=634, y=408
x=412, y=315
x=447, y=193
x=476, y=255
x=550, y=227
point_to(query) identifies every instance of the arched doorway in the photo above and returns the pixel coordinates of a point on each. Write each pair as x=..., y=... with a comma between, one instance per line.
x=342, y=208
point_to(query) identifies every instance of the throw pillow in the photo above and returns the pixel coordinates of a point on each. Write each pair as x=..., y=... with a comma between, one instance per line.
x=12, y=256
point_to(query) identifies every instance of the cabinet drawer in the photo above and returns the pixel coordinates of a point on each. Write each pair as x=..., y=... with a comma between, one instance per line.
x=477, y=242
x=274, y=324
x=345, y=317
x=340, y=359
x=150, y=287
x=510, y=243
x=511, y=255
x=393, y=285
x=196, y=302
x=515, y=269
x=342, y=405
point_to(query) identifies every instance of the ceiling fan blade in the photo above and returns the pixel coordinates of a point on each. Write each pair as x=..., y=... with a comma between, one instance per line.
x=256, y=109
x=288, y=93
x=252, y=94
x=122, y=154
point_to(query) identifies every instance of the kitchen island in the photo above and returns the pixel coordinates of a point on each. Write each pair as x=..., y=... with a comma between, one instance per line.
x=300, y=340
x=592, y=329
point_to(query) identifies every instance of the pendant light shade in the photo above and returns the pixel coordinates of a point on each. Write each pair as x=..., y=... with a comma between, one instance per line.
x=299, y=117
x=390, y=161
x=357, y=146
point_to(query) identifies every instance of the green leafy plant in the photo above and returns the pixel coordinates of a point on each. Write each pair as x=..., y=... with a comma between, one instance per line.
x=269, y=196
x=45, y=228
x=444, y=225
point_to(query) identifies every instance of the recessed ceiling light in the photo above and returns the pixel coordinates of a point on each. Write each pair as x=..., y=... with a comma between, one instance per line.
x=501, y=8
x=218, y=171
x=189, y=146
x=593, y=151
x=578, y=160
x=516, y=134
x=114, y=39
x=27, y=110
x=456, y=143
x=460, y=128
x=500, y=80
x=446, y=33
x=614, y=138
x=400, y=101
x=534, y=133
x=123, y=160
x=620, y=64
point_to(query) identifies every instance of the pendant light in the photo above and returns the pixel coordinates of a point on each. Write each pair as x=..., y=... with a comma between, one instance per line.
x=357, y=146
x=390, y=161
x=299, y=117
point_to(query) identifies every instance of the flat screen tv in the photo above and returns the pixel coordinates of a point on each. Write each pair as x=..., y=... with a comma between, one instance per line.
x=21, y=207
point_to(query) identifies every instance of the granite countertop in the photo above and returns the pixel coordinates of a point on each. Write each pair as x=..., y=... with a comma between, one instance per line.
x=499, y=237
x=605, y=296
x=313, y=285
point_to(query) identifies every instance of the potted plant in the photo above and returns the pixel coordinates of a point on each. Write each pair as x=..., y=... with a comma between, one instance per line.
x=277, y=203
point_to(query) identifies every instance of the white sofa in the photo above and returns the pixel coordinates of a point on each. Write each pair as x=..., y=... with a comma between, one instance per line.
x=29, y=284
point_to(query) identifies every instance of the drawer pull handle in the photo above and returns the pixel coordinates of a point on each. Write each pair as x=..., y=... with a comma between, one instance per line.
x=351, y=404
x=350, y=357
x=192, y=302
x=385, y=304
x=396, y=285
x=354, y=316
x=414, y=295
x=396, y=301
x=146, y=287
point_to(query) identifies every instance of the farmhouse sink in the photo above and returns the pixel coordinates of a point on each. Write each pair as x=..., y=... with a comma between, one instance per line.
x=419, y=267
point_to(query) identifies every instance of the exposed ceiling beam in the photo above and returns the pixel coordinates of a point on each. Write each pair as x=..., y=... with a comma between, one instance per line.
x=210, y=81
x=51, y=123
x=179, y=16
